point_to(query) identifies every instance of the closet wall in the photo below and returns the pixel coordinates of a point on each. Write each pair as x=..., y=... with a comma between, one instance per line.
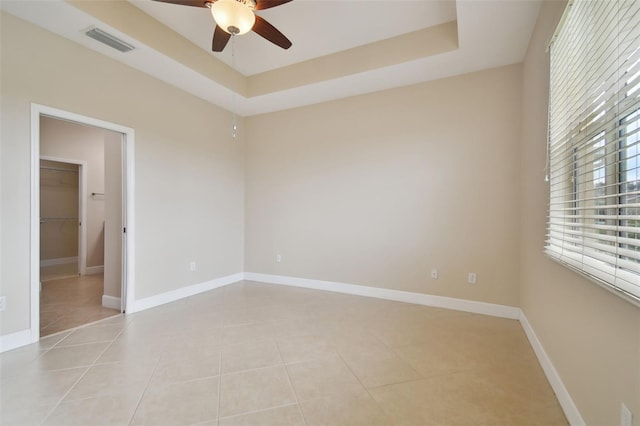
x=59, y=214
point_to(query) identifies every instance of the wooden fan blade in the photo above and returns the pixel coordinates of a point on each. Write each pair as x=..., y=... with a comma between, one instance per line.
x=271, y=33
x=267, y=4
x=194, y=3
x=220, y=39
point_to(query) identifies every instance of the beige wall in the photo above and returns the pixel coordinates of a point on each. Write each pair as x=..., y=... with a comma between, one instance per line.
x=71, y=141
x=592, y=336
x=378, y=189
x=188, y=171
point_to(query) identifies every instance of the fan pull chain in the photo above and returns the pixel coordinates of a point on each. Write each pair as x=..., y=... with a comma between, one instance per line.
x=234, y=124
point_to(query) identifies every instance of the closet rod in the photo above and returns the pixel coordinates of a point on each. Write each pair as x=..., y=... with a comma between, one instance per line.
x=57, y=169
x=57, y=219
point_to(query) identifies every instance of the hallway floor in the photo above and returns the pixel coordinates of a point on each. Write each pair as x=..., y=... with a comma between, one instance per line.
x=70, y=302
x=258, y=354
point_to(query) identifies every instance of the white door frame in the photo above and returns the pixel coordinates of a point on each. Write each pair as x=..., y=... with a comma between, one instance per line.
x=128, y=283
x=82, y=200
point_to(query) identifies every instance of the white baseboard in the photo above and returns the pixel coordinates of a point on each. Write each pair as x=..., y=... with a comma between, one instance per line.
x=564, y=398
x=181, y=293
x=93, y=270
x=111, y=302
x=58, y=261
x=492, y=309
x=15, y=340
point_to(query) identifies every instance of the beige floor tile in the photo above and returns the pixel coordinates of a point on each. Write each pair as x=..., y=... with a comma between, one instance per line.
x=183, y=370
x=250, y=355
x=240, y=316
x=525, y=393
x=104, y=410
x=294, y=328
x=436, y=358
x=183, y=403
x=129, y=377
x=421, y=365
x=402, y=410
x=202, y=320
x=452, y=399
x=460, y=350
x=25, y=415
x=380, y=372
x=305, y=348
x=338, y=411
x=254, y=390
x=406, y=331
x=154, y=325
x=188, y=347
x=17, y=361
x=281, y=416
x=129, y=347
x=235, y=334
x=35, y=389
x=358, y=351
x=59, y=358
x=286, y=311
x=374, y=364
x=92, y=334
x=324, y=377
x=349, y=333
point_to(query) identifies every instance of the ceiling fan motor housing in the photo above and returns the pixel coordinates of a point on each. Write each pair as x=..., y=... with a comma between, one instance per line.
x=234, y=16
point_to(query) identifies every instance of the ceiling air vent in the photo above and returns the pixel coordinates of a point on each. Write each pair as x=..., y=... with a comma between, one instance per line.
x=111, y=41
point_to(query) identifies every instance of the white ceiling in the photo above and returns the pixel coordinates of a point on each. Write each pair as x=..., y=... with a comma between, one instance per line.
x=490, y=34
x=316, y=27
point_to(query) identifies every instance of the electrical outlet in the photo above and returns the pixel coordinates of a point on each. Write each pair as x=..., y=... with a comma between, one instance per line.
x=434, y=273
x=278, y=258
x=472, y=278
x=192, y=266
x=3, y=303
x=626, y=416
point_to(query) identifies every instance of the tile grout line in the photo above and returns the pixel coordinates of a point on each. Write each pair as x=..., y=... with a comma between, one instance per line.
x=219, y=380
x=155, y=368
x=365, y=388
x=286, y=372
x=263, y=410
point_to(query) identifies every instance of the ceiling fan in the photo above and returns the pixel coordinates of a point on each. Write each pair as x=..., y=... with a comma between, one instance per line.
x=236, y=17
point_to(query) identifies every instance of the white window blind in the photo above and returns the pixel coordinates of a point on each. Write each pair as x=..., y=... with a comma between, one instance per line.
x=594, y=143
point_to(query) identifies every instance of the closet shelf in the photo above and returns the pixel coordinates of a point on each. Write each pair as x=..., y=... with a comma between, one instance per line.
x=58, y=219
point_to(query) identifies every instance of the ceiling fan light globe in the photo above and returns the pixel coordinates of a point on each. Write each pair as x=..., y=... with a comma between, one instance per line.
x=233, y=17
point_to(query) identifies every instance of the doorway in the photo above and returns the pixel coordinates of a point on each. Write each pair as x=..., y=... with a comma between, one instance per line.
x=81, y=226
x=80, y=193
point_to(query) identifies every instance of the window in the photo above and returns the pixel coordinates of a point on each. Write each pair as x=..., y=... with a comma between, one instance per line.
x=594, y=143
